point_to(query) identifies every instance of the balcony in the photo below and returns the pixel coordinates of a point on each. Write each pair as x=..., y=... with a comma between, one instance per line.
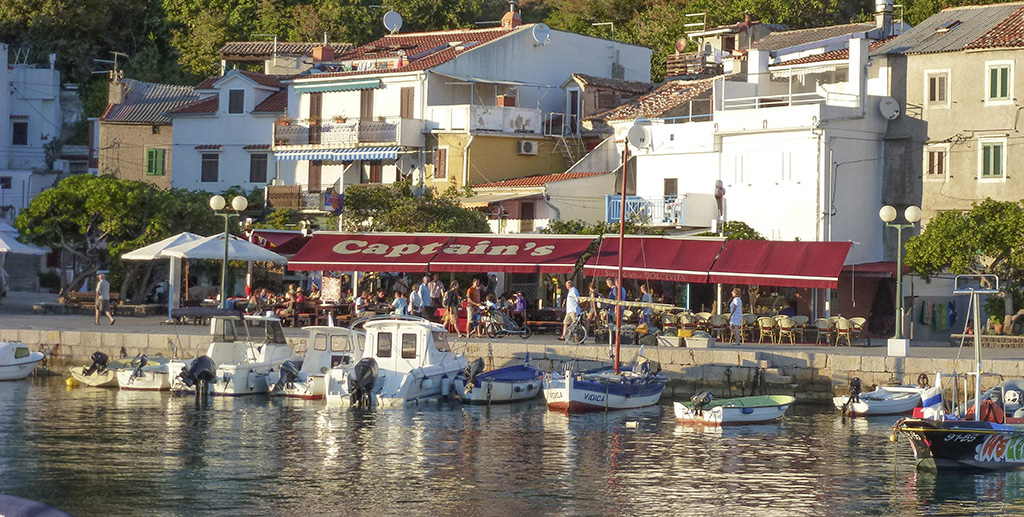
x=472, y=118
x=350, y=133
x=296, y=197
x=666, y=210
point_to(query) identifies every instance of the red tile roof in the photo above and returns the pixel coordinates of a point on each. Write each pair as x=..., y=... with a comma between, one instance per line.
x=208, y=147
x=266, y=48
x=664, y=98
x=254, y=147
x=537, y=181
x=204, y=105
x=835, y=55
x=272, y=81
x=446, y=43
x=277, y=102
x=1008, y=33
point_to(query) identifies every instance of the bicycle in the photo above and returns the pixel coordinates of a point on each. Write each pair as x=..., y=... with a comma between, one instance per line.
x=576, y=332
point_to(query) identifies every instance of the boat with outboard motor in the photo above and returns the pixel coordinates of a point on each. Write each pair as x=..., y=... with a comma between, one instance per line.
x=145, y=373
x=17, y=361
x=406, y=359
x=704, y=409
x=101, y=373
x=244, y=349
x=606, y=389
x=508, y=384
x=327, y=348
x=883, y=400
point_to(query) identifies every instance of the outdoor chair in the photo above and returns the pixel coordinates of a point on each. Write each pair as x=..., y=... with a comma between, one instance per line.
x=787, y=329
x=766, y=326
x=719, y=325
x=844, y=330
x=748, y=327
x=801, y=326
x=824, y=328
x=858, y=323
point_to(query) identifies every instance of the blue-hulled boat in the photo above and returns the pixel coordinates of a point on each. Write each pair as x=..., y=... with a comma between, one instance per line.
x=508, y=384
x=604, y=389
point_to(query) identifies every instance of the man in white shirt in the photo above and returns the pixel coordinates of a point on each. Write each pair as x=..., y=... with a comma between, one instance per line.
x=572, y=307
x=103, y=298
x=426, y=308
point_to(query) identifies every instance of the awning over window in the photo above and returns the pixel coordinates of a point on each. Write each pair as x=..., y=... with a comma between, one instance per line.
x=655, y=258
x=345, y=86
x=789, y=264
x=511, y=253
x=342, y=155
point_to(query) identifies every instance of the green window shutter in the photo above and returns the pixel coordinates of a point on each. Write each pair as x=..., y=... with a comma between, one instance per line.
x=159, y=162
x=986, y=160
x=993, y=82
x=1004, y=82
x=149, y=160
x=997, y=160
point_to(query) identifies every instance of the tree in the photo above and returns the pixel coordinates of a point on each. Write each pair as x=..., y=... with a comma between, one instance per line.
x=578, y=227
x=736, y=230
x=984, y=240
x=395, y=208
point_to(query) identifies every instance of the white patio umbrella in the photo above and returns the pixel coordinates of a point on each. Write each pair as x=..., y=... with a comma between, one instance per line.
x=212, y=248
x=9, y=244
x=156, y=251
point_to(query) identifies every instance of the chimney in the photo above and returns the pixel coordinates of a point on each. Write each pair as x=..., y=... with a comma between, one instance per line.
x=511, y=19
x=883, y=17
x=115, y=91
x=323, y=53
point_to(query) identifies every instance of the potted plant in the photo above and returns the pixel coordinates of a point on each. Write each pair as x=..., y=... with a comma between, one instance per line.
x=313, y=121
x=340, y=119
x=284, y=121
x=996, y=323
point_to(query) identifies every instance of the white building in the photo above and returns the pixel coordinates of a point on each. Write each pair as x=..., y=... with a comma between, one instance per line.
x=224, y=138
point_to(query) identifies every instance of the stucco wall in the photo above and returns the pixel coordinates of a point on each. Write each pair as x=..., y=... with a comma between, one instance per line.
x=123, y=147
x=495, y=158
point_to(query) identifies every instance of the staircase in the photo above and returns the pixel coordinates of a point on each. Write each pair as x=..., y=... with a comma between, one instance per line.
x=571, y=147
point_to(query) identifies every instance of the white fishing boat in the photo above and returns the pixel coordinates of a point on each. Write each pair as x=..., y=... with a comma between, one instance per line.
x=406, y=359
x=17, y=361
x=328, y=347
x=884, y=400
x=101, y=373
x=145, y=373
x=244, y=350
x=508, y=384
x=705, y=410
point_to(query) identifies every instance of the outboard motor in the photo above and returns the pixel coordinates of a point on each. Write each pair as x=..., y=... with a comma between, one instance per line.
x=202, y=371
x=700, y=401
x=99, y=363
x=473, y=370
x=360, y=385
x=289, y=372
x=140, y=362
x=855, y=389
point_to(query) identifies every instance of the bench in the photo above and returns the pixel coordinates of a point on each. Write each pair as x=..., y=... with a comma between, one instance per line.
x=88, y=299
x=544, y=320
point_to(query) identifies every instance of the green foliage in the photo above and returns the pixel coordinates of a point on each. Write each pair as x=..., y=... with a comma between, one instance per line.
x=736, y=230
x=395, y=208
x=279, y=219
x=578, y=227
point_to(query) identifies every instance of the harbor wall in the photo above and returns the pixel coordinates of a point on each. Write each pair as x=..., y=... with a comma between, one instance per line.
x=724, y=371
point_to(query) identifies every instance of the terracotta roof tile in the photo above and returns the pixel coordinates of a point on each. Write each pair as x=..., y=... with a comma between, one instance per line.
x=208, y=147
x=277, y=102
x=272, y=81
x=786, y=39
x=148, y=103
x=441, y=43
x=536, y=181
x=836, y=55
x=256, y=147
x=664, y=98
x=622, y=85
x=204, y=105
x=1007, y=33
x=266, y=48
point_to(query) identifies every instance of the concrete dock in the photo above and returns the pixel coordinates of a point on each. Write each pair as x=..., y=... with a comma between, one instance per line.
x=808, y=372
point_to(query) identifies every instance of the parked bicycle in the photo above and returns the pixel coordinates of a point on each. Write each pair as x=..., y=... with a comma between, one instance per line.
x=576, y=332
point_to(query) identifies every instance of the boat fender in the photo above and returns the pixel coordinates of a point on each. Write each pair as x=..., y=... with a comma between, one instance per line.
x=446, y=386
x=747, y=410
x=426, y=383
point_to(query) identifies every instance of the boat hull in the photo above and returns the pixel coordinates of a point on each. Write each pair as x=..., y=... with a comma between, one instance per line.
x=307, y=387
x=586, y=393
x=883, y=401
x=17, y=371
x=107, y=379
x=16, y=361
x=509, y=384
x=959, y=445
x=148, y=379
x=736, y=411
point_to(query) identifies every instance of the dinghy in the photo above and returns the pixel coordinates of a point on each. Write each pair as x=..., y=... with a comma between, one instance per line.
x=704, y=410
x=508, y=384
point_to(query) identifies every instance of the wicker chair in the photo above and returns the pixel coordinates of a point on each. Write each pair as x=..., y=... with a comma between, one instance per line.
x=766, y=327
x=787, y=328
x=844, y=330
x=824, y=328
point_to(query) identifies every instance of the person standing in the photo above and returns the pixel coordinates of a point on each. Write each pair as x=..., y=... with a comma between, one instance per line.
x=473, y=308
x=426, y=300
x=451, y=309
x=103, y=298
x=572, y=307
x=646, y=314
x=736, y=315
x=614, y=293
x=400, y=304
x=415, y=303
x=436, y=291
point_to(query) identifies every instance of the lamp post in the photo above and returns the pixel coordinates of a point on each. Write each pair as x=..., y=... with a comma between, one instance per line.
x=218, y=204
x=888, y=214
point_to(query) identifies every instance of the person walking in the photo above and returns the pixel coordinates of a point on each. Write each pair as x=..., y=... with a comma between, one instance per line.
x=103, y=298
x=426, y=308
x=473, y=308
x=451, y=309
x=736, y=315
x=572, y=307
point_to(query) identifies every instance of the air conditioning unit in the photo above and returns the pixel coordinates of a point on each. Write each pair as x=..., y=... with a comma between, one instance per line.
x=527, y=147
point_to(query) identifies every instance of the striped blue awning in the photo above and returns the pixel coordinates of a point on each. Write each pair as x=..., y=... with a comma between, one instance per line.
x=342, y=155
x=344, y=86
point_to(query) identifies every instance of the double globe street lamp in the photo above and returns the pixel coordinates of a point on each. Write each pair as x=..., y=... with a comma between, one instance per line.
x=912, y=215
x=218, y=204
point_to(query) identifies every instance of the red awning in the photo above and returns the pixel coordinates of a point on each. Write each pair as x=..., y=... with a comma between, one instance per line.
x=655, y=258
x=407, y=252
x=874, y=269
x=511, y=253
x=271, y=239
x=778, y=263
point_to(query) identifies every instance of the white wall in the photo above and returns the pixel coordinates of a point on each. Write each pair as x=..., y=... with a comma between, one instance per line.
x=33, y=93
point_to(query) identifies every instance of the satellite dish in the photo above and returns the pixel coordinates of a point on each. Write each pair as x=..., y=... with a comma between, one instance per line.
x=639, y=136
x=392, y=21
x=541, y=34
x=889, y=107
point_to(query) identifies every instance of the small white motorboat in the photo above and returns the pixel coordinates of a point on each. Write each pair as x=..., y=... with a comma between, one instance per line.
x=508, y=384
x=17, y=361
x=703, y=409
x=407, y=359
x=884, y=400
x=145, y=373
x=329, y=347
x=102, y=373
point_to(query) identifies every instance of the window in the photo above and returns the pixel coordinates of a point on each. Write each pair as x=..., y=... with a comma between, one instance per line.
x=408, y=346
x=383, y=345
x=211, y=166
x=408, y=96
x=258, y=168
x=320, y=342
x=671, y=187
x=6, y=182
x=155, y=162
x=340, y=343
x=992, y=160
x=441, y=341
x=936, y=162
x=372, y=171
x=366, y=105
x=236, y=101
x=999, y=81
x=19, y=133
x=440, y=164
x=937, y=84
x=527, y=214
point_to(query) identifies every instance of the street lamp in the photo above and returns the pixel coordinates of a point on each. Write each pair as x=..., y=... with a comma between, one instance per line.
x=888, y=215
x=218, y=203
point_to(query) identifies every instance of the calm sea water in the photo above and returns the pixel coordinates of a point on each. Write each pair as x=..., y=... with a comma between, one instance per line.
x=106, y=452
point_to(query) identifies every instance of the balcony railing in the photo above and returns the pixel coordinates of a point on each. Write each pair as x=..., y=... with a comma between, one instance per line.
x=296, y=197
x=667, y=210
x=350, y=133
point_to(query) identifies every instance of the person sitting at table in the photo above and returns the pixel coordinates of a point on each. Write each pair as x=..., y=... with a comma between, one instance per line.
x=362, y=303
x=314, y=293
x=400, y=304
x=451, y=304
x=253, y=304
x=382, y=297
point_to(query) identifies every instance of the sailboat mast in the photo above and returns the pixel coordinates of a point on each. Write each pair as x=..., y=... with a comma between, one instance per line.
x=622, y=236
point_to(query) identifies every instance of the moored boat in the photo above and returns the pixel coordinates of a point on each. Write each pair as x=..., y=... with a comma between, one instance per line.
x=329, y=347
x=17, y=361
x=102, y=373
x=704, y=410
x=963, y=444
x=884, y=400
x=145, y=373
x=604, y=389
x=508, y=384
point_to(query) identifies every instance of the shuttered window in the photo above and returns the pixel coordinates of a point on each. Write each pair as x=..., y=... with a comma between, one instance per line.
x=155, y=162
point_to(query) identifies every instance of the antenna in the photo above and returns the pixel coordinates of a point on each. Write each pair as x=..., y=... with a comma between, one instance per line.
x=115, y=74
x=612, y=24
x=392, y=21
